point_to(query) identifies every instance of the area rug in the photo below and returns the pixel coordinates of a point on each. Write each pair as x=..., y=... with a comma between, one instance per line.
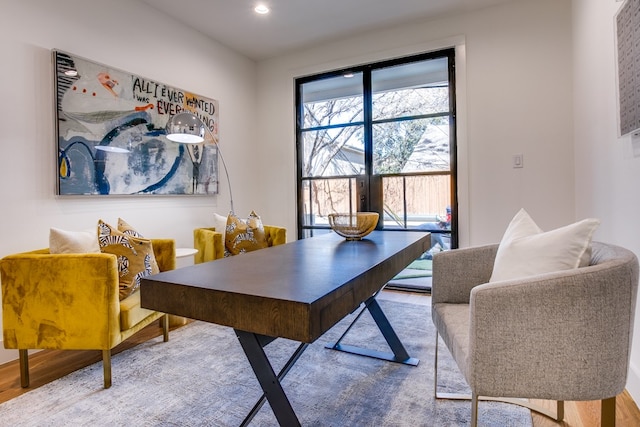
x=202, y=378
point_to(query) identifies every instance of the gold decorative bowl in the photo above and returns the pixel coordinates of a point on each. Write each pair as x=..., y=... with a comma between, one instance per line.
x=353, y=226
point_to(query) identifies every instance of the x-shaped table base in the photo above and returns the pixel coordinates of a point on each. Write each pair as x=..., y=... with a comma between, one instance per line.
x=253, y=346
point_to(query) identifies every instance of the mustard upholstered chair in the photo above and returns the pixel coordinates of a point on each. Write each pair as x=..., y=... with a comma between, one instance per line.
x=71, y=302
x=210, y=246
x=560, y=336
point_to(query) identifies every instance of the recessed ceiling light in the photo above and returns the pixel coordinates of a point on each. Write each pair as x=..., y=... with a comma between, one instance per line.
x=262, y=9
x=348, y=75
x=71, y=73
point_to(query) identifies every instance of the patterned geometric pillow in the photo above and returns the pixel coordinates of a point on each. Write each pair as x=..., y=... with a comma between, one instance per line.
x=244, y=236
x=135, y=256
x=127, y=229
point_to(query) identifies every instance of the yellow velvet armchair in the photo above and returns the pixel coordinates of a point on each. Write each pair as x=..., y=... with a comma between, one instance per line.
x=210, y=246
x=71, y=302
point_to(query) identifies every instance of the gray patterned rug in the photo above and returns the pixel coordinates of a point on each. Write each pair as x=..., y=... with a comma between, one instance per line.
x=202, y=378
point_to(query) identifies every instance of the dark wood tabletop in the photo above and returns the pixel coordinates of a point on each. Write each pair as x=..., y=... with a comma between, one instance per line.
x=298, y=290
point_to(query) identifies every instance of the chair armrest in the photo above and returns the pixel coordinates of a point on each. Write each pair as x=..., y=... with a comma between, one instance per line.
x=209, y=244
x=275, y=235
x=164, y=251
x=61, y=301
x=557, y=330
x=458, y=271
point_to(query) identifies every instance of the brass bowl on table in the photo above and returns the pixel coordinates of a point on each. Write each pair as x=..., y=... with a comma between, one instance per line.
x=353, y=226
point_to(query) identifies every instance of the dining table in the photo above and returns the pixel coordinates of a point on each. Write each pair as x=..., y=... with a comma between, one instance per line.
x=298, y=290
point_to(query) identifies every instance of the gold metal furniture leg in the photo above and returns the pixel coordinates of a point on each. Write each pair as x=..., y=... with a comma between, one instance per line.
x=559, y=410
x=608, y=412
x=24, y=368
x=474, y=410
x=106, y=366
x=165, y=327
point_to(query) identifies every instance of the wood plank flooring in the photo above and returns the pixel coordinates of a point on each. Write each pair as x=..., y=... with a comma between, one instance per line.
x=48, y=365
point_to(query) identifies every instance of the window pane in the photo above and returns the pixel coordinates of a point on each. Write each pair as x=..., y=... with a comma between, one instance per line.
x=427, y=199
x=411, y=146
x=334, y=112
x=332, y=101
x=333, y=152
x=410, y=102
x=311, y=232
x=325, y=196
x=412, y=89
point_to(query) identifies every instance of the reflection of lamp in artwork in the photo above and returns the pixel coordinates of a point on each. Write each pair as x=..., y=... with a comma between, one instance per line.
x=186, y=128
x=64, y=162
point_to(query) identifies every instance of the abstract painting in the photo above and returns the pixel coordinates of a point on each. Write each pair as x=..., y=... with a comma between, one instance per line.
x=628, y=66
x=111, y=134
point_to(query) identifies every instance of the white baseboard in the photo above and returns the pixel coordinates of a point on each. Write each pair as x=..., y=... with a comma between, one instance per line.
x=10, y=355
x=7, y=355
x=633, y=382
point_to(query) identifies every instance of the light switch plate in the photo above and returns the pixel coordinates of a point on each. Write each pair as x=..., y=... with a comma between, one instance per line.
x=518, y=161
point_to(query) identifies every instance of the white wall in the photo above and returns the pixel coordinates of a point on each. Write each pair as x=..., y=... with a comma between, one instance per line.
x=132, y=37
x=607, y=174
x=515, y=96
x=514, y=81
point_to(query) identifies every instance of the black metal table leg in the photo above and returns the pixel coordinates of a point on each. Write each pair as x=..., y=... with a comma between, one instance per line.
x=253, y=344
x=399, y=354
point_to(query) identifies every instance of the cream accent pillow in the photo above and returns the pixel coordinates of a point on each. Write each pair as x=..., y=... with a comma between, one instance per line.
x=73, y=242
x=525, y=250
x=220, y=224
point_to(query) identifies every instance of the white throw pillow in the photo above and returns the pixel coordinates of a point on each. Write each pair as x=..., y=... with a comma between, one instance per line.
x=525, y=250
x=73, y=242
x=220, y=224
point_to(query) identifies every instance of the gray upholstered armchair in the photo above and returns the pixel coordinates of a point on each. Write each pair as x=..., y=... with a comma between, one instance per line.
x=557, y=336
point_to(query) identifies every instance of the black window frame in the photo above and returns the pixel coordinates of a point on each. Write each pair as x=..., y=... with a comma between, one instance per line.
x=368, y=123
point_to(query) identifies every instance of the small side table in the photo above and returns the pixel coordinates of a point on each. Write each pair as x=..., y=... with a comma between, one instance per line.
x=185, y=252
x=184, y=256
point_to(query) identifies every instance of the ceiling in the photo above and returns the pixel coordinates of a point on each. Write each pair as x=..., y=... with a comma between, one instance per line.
x=296, y=24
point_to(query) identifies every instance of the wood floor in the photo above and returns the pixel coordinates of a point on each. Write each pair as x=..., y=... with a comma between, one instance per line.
x=48, y=365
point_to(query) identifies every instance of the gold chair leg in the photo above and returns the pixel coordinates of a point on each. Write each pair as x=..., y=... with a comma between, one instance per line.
x=165, y=327
x=608, y=412
x=435, y=370
x=559, y=410
x=24, y=368
x=474, y=410
x=106, y=366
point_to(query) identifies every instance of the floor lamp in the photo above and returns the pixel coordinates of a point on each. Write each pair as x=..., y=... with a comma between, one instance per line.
x=187, y=128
